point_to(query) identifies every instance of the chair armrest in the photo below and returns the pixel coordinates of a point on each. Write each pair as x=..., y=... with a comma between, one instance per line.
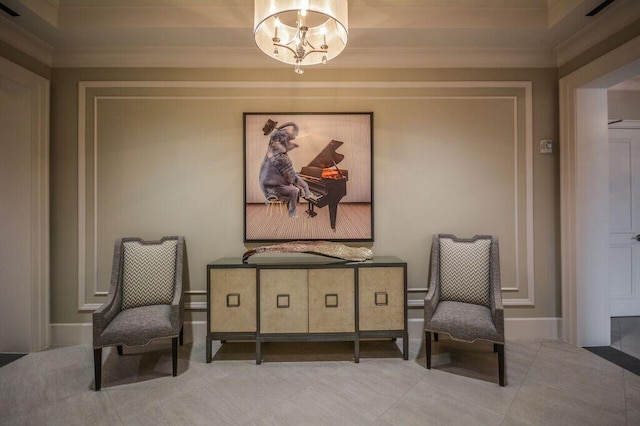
x=431, y=302
x=182, y=279
x=433, y=294
x=497, y=309
x=112, y=306
x=104, y=315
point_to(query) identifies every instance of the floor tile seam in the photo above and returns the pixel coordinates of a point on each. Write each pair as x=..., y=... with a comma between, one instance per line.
x=574, y=396
x=43, y=405
x=578, y=363
x=472, y=402
x=607, y=372
x=469, y=400
x=627, y=408
x=115, y=409
x=331, y=374
x=519, y=385
x=329, y=381
x=251, y=416
x=157, y=403
x=379, y=418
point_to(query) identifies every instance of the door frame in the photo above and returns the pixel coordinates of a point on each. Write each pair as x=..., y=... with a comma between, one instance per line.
x=584, y=215
x=39, y=262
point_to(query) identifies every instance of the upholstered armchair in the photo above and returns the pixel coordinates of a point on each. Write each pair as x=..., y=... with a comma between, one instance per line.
x=464, y=300
x=145, y=299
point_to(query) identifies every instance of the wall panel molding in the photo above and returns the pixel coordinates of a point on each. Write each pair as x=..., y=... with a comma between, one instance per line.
x=90, y=93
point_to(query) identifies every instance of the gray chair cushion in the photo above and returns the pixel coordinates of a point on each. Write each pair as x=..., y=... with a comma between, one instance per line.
x=465, y=271
x=148, y=274
x=464, y=321
x=138, y=326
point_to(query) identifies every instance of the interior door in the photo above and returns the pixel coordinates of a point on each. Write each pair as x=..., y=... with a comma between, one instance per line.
x=624, y=221
x=24, y=214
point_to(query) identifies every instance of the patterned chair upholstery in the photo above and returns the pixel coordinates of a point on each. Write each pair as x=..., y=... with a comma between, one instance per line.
x=464, y=300
x=145, y=300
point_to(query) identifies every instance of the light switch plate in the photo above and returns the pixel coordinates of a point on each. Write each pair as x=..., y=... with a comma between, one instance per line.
x=546, y=146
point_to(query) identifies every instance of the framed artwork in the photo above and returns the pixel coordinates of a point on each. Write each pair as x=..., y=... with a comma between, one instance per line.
x=308, y=176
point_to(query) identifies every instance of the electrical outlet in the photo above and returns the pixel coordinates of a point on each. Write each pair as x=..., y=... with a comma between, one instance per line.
x=546, y=146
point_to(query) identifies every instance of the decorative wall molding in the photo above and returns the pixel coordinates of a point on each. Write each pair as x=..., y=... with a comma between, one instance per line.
x=525, y=86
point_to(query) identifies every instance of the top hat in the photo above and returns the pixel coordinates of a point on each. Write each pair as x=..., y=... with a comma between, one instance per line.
x=269, y=126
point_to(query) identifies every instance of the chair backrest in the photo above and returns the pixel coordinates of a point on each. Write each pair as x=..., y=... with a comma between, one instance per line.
x=465, y=269
x=148, y=272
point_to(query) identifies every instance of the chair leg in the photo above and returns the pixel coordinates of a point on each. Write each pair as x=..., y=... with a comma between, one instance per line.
x=174, y=355
x=119, y=348
x=182, y=335
x=501, y=364
x=97, y=367
x=427, y=340
x=435, y=337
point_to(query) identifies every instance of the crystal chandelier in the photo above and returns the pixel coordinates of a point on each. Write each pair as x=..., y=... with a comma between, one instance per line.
x=301, y=32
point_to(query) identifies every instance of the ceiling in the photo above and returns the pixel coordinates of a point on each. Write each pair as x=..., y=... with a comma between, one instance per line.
x=382, y=33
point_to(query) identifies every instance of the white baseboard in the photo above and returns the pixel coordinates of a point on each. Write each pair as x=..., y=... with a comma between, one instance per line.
x=533, y=328
x=196, y=331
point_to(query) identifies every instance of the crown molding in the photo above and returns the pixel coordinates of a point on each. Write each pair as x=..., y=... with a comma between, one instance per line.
x=23, y=41
x=618, y=16
x=45, y=9
x=197, y=57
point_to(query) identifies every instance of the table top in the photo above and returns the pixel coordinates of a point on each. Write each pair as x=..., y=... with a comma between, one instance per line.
x=302, y=261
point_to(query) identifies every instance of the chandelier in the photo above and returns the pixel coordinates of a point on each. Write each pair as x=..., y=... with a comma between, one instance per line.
x=301, y=32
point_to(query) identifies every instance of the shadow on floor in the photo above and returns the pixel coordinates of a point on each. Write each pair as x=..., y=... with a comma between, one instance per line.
x=7, y=358
x=307, y=351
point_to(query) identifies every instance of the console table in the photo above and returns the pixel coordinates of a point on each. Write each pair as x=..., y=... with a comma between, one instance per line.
x=306, y=299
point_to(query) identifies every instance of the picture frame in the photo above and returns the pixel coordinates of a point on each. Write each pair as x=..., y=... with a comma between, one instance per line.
x=308, y=176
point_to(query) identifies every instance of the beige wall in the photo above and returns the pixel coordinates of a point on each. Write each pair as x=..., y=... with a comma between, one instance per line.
x=624, y=104
x=448, y=157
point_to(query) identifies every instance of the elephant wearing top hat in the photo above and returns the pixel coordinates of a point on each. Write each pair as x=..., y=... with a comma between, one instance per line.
x=277, y=176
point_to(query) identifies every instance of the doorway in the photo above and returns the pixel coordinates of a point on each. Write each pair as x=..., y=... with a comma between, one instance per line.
x=584, y=193
x=24, y=210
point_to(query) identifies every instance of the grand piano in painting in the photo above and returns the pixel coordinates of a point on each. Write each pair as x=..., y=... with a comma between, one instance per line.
x=326, y=180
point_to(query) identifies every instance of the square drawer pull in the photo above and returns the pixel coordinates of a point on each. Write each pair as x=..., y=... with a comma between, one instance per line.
x=381, y=298
x=331, y=300
x=282, y=301
x=233, y=300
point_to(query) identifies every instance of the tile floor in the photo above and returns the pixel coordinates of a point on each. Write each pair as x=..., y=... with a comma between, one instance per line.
x=548, y=383
x=625, y=335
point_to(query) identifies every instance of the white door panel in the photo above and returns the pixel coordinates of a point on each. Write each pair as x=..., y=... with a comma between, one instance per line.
x=624, y=221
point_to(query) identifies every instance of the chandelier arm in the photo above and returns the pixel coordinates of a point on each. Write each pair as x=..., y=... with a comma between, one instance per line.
x=295, y=54
x=313, y=51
